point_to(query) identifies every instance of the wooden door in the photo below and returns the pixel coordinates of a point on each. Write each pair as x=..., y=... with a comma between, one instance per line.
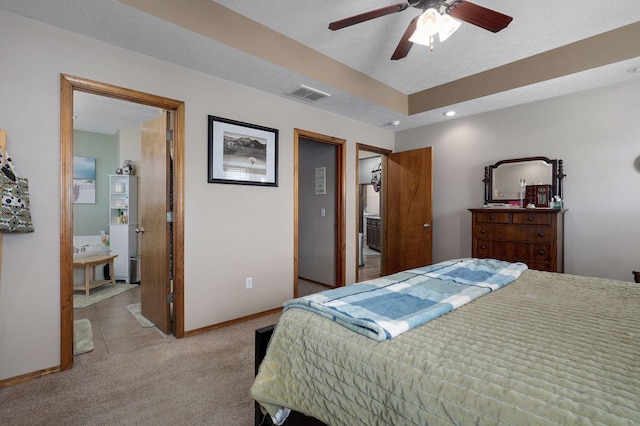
x=155, y=284
x=407, y=215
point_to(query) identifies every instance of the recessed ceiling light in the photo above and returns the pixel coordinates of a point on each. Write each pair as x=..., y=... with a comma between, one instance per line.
x=635, y=68
x=449, y=113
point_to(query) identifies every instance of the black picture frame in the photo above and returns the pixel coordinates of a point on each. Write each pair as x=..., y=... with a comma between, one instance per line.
x=242, y=153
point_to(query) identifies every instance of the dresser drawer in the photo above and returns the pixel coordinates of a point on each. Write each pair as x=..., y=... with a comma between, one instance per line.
x=524, y=252
x=535, y=254
x=542, y=266
x=490, y=249
x=492, y=217
x=539, y=234
x=530, y=218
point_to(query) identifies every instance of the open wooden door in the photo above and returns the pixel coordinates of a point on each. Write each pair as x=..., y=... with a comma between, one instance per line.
x=154, y=228
x=407, y=214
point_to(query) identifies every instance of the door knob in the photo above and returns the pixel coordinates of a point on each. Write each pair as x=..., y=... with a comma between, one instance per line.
x=427, y=225
x=140, y=231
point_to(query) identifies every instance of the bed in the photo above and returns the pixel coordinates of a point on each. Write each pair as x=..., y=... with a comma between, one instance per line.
x=546, y=349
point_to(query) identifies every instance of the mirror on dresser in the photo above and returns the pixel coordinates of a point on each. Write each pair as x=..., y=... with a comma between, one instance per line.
x=505, y=229
x=506, y=181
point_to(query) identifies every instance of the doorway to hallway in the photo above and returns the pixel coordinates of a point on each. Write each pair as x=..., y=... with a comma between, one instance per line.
x=319, y=212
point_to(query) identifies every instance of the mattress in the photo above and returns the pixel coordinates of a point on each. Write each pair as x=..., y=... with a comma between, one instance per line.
x=548, y=349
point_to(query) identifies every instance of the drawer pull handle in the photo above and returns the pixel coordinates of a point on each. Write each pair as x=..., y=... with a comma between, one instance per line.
x=541, y=234
x=483, y=231
x=530, y=218
x=483, y=247
x=541, y=252
x=492, y=217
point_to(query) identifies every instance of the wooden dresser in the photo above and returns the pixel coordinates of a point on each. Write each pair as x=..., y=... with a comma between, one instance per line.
x=532, y=236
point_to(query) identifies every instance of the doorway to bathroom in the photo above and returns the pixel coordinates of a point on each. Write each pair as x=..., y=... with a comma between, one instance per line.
x=167, y=291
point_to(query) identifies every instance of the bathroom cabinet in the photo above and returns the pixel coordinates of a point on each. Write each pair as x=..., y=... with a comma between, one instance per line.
x=374, y=237
x=123, y=220
x=123, y=199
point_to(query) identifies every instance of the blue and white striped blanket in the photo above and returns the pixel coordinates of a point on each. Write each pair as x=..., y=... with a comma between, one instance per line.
x=385, y=307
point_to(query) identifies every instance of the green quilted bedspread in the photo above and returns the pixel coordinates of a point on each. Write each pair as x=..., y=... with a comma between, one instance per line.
x=548, y=349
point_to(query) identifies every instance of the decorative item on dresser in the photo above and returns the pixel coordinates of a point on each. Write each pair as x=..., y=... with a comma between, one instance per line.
x=535, y=237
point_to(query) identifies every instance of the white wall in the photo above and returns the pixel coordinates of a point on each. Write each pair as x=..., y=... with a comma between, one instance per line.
x=596, y=133
x=231, y=231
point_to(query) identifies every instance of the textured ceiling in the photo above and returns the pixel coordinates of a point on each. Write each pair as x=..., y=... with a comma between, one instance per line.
x=291, y=45
x=94, y=113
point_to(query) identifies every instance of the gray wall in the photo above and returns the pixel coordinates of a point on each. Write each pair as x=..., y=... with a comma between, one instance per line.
x=596, y=133
x=90, y=219
x=316, y=233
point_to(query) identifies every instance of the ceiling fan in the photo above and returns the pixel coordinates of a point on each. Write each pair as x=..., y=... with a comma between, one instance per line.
x=435, y=19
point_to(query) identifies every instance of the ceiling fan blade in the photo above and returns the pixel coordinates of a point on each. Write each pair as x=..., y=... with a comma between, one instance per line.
x=337, y=25
x=404, y=46
x=479, y=16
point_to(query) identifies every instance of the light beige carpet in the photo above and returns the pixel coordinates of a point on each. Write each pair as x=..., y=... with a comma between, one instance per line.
x=99, y=294
x=82, y=337
x=135, y=310
x=199, y=380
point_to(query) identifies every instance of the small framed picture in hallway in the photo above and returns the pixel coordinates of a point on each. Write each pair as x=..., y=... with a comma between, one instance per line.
x=242, y=153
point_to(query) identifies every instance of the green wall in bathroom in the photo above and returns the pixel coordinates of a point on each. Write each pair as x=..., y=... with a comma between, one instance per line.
x=90, y=219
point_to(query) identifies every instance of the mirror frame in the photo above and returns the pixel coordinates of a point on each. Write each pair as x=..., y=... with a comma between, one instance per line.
x=557, y=172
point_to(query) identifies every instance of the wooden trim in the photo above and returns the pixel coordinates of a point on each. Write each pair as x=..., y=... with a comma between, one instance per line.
x=66, y=223
x=341, y=240
x=178, y=219
x=12, y=381
x=341, y=185
x=296, y=174
x=68, y=84
x=231, y=322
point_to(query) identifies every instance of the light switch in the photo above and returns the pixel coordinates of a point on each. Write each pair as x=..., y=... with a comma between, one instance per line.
x=323, y=212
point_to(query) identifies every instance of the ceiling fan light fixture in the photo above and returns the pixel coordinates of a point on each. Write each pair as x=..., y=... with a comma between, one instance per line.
x=427, y=26
x=448, y=26
x=431, y=23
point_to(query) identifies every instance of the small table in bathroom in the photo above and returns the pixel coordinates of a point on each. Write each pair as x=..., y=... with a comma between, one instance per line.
x=89, y=264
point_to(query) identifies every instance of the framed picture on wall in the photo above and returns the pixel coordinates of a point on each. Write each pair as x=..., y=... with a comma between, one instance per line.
x=242, y=153
x=84, y=180
x=320, y=180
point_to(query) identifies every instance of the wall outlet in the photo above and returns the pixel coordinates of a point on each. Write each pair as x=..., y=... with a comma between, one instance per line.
x=248, y=282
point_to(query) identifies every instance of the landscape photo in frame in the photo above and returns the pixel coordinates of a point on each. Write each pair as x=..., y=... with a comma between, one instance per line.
x=242, y=153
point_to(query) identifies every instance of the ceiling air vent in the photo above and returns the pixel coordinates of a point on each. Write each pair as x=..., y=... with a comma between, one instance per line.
x=307, y=93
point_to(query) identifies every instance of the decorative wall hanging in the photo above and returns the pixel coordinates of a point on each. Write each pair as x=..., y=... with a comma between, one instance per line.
x=15, y=215
x=376, y=177
x=84, y=180
x=242, y=153
x=320, y=183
